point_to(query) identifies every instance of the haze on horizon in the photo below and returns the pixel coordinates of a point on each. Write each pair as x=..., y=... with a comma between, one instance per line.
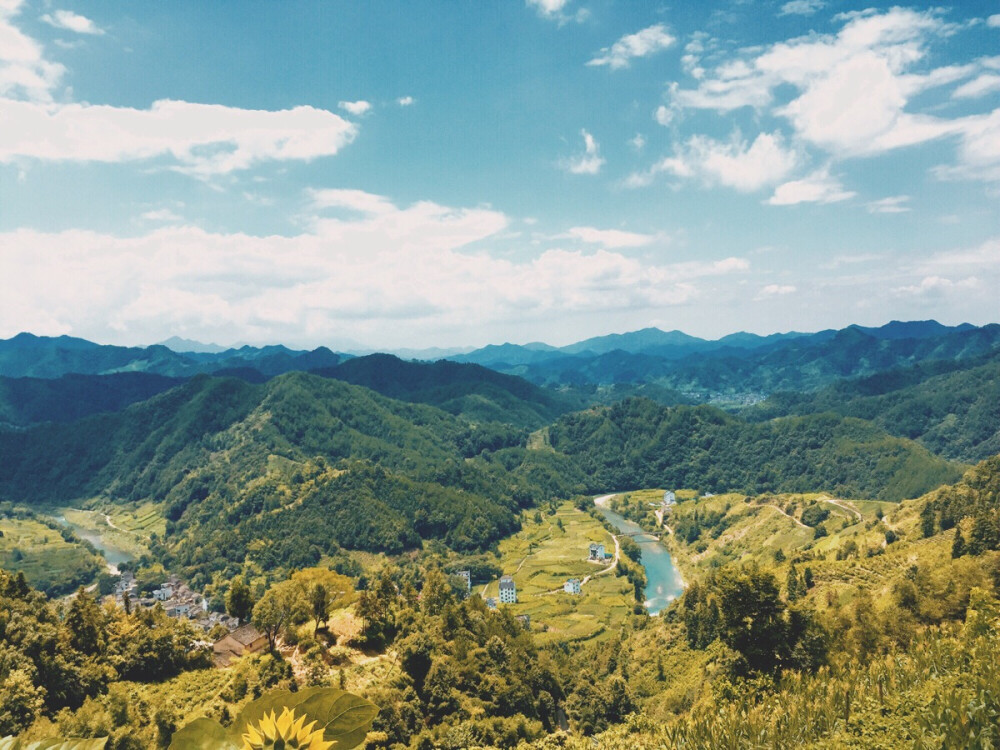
x=389, y=176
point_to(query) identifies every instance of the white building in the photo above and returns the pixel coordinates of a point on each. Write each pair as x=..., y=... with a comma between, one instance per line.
x=508, y=591
x=572, y=586
x=669, y=498
x=163, y=593
x=596, y=551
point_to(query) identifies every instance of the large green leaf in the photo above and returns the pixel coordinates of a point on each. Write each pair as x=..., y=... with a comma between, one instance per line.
x=275, y=701
x=346, y=718
x=203, y=734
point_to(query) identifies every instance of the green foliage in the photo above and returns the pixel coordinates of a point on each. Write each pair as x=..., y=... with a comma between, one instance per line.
x=638, y=443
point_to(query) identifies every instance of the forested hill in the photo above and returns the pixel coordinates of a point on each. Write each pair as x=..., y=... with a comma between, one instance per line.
x=470, y=390
x=952, y=407
x=638, y=443
x=300, y=464
x=797, y=363
x=26, y=401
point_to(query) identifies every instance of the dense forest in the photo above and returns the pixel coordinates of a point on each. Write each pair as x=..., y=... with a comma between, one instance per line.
x=638, y=443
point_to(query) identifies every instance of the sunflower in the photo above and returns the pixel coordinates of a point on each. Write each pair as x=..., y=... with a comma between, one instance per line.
x=284, y=733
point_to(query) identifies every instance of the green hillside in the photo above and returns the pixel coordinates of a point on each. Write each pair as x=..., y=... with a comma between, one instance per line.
x=950, y=407
x=638, y=443
x=279, y=474
x=471, y=391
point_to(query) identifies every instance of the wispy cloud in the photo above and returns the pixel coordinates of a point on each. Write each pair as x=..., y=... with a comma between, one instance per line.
x=613, y=238
x=818, y=187
x=895, y=204
x=557, y=10
x=802, y=7
x=70, y=21
x=405, y=101
x=642, y=43
x=775, y=290
x=590, y=161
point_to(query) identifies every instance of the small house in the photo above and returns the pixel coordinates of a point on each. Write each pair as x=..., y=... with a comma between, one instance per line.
x=163, y=593
x=179, y=610
x=572, y=586
x=669, y=498
x=246, y=639
x=508, y=591
x=525, y=621
x=596, y=551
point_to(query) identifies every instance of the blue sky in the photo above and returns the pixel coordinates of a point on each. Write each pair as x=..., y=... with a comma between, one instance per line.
x=390, y=174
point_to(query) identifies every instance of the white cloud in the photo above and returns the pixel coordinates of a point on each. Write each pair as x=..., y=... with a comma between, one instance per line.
x=556, y=10
x=981, y=86
x=613, y=238
x=590, y=161
x=819, y=187
x=162, y=215
x=895, y=204
x=23, y=69
x=936, y=286
x=736, y=164
x=801, y=7
x=994, y=21
x=387, y=273
x=199, y=139
x=405, y=101
x=70, y=21
x=640, y=44
x=775, y=290
x=638, y=142
x=357, y=108
x=663, y=115
x=853, y=89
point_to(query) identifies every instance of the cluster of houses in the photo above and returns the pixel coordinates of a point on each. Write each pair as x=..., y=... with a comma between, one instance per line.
x=177, y=599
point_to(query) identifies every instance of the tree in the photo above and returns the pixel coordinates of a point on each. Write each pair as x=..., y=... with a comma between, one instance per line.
x=793, y=584
x=319, y=605
x=751, y=616
x=279, y=606
x=958, y=545
x=85, y=626
x=239, y=602
x=927, y=520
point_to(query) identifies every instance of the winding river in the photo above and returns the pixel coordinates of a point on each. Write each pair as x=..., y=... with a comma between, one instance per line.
x=113, y=555
x=663, y=580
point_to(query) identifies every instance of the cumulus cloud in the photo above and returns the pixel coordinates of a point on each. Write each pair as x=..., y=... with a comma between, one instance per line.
x=70, y=21
x=384, y=271
x=936, y=286
x=613, y=238
x=895, y=204
x=638, y=142
x=357, y=108
x=663, y=115
x=162, y=215
x=590, y=161
x=819, y=187
x=405, y=101
x=642, y=43
x=24, y=71
x=198, y=139
x=735, y=163
x=994, y=21
x=854, y=89
x=801, y=7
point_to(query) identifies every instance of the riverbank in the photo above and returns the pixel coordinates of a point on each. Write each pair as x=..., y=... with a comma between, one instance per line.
x=664, y=581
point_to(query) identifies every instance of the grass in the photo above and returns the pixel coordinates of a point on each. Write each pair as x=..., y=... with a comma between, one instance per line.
x=130, y=528
x=47, y=561
x=542, y=557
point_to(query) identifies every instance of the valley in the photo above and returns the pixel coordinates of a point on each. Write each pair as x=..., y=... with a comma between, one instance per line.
x=383, y=480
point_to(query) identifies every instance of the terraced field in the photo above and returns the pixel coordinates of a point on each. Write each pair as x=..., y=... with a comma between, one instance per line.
x=542, y=557
x=48, y=561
